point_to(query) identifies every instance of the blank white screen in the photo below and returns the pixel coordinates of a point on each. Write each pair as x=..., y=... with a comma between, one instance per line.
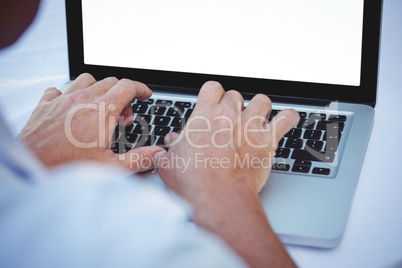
x=310, y=40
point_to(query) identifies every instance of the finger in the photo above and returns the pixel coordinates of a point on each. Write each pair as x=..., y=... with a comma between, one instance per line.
x=101, y=87
x=83, y=81
x=233, y=99
x=121, y=94
x=171, y=139
x=157, y=158
x=283, y=122
x=210, y=93
x=140, y=159
x=50, y=94
x=126, y=117
x=260, y=105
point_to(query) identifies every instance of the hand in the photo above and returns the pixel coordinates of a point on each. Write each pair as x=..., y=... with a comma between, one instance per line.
x=220, y=162
x=231, y=147
x=78, y=125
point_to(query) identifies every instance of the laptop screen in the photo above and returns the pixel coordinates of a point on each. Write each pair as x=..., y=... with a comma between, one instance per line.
x=311, y=41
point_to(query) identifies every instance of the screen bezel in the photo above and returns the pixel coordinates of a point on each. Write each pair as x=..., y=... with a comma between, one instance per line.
x=179, y=81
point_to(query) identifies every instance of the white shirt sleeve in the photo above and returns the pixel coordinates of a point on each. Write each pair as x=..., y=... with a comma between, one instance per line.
x=92, y=216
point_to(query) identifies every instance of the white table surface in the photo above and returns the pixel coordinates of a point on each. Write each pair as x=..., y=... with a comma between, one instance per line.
x=373, y=236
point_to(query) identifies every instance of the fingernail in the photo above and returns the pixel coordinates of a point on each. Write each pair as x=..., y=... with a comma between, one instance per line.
x=158, y=155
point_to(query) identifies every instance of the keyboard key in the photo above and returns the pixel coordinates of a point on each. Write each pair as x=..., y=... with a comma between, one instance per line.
x=322, y=125
x=294, y=133
x=305, y=155
x=128, y=137
x=182, y=104
x=312, y=134
x=330, y=125
x=294, y=143
x=188, y=113
x=306, y=123
x=336, y=117
x=177, y=129
x=339, y=126
x=314, y=144
x=161, y=120
x=303, y=115
x=331, y=147
x=116, y=135
x=120, y=148
x=177, y=122
x=317, y=116
x=160, y=141
x=144, y=140
x=148, y=101
x=332, y=137
x=280, y=144
x=121, y=128
x=174, y=111
x=280, y=166
x=303, y=162
x=282, y=153
x=321, y=171
x=142, y=129
x=157, y=110
x=140, y=108
x=143, y=118
x=114, y=147
x=164, y=102
x=161, y=130
x=301, y=166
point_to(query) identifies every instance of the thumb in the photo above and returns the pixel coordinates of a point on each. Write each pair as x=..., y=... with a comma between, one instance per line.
x=158, y=157
x=171, y=139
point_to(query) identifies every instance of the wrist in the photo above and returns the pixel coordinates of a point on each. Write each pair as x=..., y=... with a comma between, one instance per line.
x=216, y=206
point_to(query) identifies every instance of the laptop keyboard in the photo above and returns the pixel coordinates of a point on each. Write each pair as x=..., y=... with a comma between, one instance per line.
x=309, y=148
x=153, y=119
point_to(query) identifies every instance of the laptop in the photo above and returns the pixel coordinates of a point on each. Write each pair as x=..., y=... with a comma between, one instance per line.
x=318, y=57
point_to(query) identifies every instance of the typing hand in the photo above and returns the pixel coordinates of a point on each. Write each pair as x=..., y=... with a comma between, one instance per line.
x=219, y=163
x=78, y=125
x=222, y=144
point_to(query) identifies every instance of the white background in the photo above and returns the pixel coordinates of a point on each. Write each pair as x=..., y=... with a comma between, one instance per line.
x=373, y=236
x=310, y=40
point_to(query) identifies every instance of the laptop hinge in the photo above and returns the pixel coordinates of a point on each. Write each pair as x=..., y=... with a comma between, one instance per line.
x=247, y=96
x=294, y=100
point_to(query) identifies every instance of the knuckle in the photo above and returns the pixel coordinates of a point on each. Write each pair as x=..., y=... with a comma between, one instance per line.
x=108, y=82
x=112, y=80
x=221, y=110
x=264, y=98
x=213, y=84
x=126, y=81
x=234, y=94
x=129, y=83
x=87, y=76
x=51, y=89
x=76, y=97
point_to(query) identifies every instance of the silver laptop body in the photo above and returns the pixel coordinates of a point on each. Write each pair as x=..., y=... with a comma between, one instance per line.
x=306, y=201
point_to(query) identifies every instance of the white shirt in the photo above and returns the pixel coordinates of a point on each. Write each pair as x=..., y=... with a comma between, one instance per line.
x=87, y=215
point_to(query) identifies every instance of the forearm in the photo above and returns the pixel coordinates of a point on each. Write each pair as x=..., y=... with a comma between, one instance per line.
x=242, y=223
